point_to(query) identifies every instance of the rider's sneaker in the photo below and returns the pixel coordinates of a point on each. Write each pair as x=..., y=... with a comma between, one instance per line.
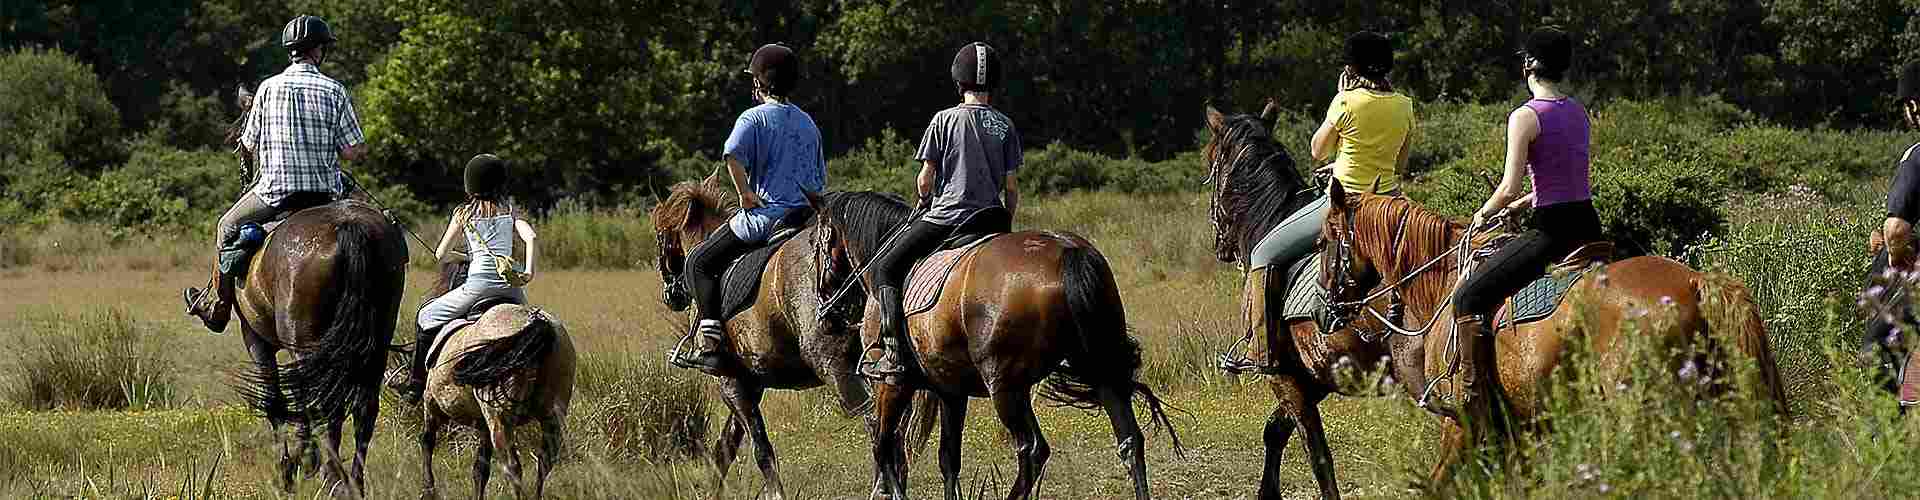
x=1248, y=364
x=712, y=335
x=206, y=305
x=884, y=364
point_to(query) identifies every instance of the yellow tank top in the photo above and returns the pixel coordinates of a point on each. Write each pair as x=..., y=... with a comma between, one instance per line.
x=1372, y=127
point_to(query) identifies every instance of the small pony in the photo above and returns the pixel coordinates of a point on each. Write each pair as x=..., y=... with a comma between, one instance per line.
x=512, y=366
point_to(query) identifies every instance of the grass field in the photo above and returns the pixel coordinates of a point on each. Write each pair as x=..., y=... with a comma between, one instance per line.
x=187, y=436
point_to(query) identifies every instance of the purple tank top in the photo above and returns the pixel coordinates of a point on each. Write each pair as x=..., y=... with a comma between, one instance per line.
x=1557, y=159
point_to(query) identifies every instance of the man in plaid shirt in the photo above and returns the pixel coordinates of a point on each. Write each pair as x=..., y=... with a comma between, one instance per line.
x=301, y=125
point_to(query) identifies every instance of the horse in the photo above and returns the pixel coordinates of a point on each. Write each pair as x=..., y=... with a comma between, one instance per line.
x=325, y=287
x=512, y=366
x=1254, y=187
x=1018, y=309
x=1412, y=254
x=777, y=341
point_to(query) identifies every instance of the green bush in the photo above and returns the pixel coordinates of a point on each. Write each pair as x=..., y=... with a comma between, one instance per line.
x=576, y=237
x=90, y=361
x=51, y=104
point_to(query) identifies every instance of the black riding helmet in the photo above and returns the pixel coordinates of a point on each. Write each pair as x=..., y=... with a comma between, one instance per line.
x=775, y=67
x=305, y=32
x=977, y=67
x=1552, y=52
x=1910, y=81
x=1370, y=54
x=486, y=176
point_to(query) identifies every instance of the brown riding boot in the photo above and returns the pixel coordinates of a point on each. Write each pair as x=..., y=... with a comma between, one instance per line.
x=711, y=344
x=212, y=304
x=890, y=367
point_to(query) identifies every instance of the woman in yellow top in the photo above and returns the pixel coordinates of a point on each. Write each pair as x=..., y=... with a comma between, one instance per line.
x=1367, y=132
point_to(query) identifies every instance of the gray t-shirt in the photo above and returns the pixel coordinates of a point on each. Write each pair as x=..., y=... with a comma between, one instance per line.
x=973, y=149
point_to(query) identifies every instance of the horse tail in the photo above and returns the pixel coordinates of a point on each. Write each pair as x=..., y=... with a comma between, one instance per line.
x=495, y=361
x=344, y=365
x=1103, y=353
x=1728, y=309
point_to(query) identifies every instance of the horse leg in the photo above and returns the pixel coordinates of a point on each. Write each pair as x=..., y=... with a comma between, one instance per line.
x=1015, y=408
x=744, y=397
x=335, y=470
x=1319, y=455
x=1118, y=400
x=364, y=419
x=1453, y=438
x=1279, y=429
x=269, y=367
x=429, y=435
x=500, y=432
x=953, y=421
x=889, y=464
x=553, y=429
x=482, y=466
x=723, y=452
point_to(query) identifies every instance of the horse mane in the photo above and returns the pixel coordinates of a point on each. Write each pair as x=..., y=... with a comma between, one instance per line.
x=1254, y=184
x=672, y=214
x=864, y=219
x=1424, y=235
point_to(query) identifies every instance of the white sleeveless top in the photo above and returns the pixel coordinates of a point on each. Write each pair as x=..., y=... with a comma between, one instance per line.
x=496, y=235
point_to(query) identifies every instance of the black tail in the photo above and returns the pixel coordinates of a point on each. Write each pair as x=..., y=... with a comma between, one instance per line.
x=1105, y=354
x=344, y=366
x=495, y=361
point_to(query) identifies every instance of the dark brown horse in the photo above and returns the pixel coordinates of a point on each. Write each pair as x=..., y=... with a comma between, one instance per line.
x=1413, y=253
x=326, y=288
x=1020, y=309
x=513, y=366
x=778, y=342
x=1255, y=187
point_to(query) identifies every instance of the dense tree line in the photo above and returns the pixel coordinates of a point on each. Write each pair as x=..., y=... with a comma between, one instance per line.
x=599, y=97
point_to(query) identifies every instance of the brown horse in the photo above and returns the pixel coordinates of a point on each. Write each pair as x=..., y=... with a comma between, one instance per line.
x=325, y=287
x=778, y=342
x=1255, y=187
x=512, y=366
x=1020, y=309
x=1411, y=252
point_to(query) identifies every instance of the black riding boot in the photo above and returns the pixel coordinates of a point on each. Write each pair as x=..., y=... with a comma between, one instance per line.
x=416, y=383
x=891, y=365
x=214, y=304
x=711, y=344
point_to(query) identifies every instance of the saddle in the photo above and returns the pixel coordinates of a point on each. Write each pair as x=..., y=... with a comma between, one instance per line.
x=929, y=274
x=1305, y=298
x=1542, y=297
x=251, y=237
x=473, y=316
x=740, y=285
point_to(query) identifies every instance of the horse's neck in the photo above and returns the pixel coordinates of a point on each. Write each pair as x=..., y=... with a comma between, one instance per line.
x=1257, y=224
x=1425, y=292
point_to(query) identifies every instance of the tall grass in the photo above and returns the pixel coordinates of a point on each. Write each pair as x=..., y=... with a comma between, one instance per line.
x=90, y=361
x=639, y=408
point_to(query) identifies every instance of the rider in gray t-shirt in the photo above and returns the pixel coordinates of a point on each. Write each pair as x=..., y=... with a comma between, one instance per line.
x=967, y=160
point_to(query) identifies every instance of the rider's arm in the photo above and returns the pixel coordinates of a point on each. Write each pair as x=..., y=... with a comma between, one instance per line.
x=455, y=226
x=348, y=135
x=1400, y=164
x=1011, y=195
x=527, y=236
x=1903, y=204
x=1522, y=126
x=1324, y=140
x=923, y=184
x=742, y=184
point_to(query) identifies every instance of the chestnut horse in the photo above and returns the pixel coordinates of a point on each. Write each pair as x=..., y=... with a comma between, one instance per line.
x=776, y=344
x=325, y=287
x=1412, y=253
x=1019, y=309
x=1255, y=187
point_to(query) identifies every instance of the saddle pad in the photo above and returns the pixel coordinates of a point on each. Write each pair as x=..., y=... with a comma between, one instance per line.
x=740, y=286
x=1540, y=298
x=446, y=332
x=930, y=275
x=1305, y=298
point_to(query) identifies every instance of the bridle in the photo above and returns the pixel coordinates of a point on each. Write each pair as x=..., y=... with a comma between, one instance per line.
x=1342, y=314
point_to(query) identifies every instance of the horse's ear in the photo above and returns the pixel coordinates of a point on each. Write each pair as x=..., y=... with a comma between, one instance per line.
x=1337, y=195
x=816, y=200
x=242, y=97
x=713, y=180
x=696, y=213
x=1215, y=120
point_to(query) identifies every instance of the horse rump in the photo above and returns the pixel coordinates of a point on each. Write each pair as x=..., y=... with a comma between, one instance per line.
x=495, y=361
x=1104, y=354
x=1728, y=309
x=344, y=365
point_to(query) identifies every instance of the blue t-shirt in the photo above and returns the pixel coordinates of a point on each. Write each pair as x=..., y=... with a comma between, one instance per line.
x=780, y=148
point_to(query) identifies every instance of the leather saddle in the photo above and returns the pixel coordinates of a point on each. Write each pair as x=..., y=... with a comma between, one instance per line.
x=929, y=274
x=740, y=285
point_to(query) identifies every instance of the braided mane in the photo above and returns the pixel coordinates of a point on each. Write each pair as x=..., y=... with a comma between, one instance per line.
x=1255, y=185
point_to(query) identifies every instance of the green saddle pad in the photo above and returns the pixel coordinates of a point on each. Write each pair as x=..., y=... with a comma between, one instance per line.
x=1540, y=298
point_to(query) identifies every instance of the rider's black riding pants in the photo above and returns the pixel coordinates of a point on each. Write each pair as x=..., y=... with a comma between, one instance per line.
x=1557, y=231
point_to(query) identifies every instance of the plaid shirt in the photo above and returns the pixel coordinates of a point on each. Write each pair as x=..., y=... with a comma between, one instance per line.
x=300, y=121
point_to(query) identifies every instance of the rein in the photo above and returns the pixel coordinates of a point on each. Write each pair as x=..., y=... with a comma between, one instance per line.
x=826, y=308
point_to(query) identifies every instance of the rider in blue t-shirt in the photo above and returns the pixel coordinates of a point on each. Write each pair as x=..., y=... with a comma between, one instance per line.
x=774, y=159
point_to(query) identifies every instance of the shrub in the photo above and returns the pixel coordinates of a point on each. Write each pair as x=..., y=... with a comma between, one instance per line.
x=51, y=104
x=642, y=409
x=90, y=361
x=575, y=237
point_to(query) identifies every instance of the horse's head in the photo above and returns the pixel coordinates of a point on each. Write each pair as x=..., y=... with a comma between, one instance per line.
x=1253, y=180
x=243, y=99
x=1349, y=269
x=690, y=212
x=849, y=229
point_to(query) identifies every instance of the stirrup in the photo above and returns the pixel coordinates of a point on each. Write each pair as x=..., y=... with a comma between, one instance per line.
x=709, y=360
x=873, y=368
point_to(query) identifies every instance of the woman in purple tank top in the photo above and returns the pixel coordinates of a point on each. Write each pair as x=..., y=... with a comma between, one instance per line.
x=1547, y=140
